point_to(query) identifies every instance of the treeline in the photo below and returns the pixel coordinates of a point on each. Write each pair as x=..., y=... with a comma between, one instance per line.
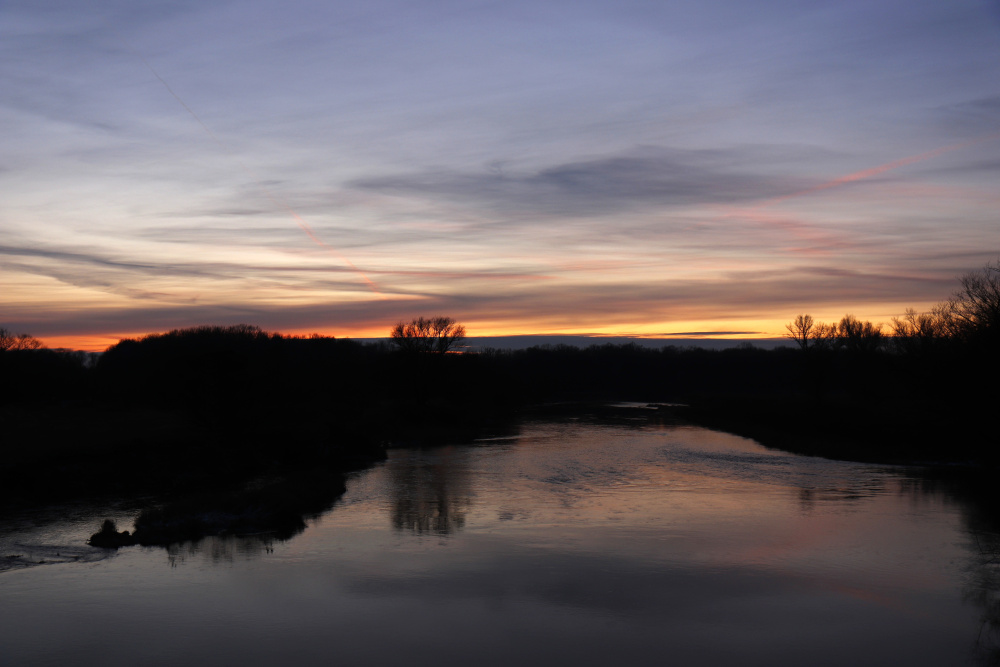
x=217, y=374
x=922, y=387
x=969, y=320
x=31, y=373
x=245, y=390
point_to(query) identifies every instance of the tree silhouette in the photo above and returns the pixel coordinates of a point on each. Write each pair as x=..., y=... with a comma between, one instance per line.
x=859, y=336
x=801, y=330
x=976, y=306
x=9, y=341
x=922, y=332
x=810, y=334
x=423, y=334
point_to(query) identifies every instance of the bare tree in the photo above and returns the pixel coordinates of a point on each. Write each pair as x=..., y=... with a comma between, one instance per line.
x=920, y=332
x=859, y=336
x=824, y=336
x=428, y=334
x=976, y=307
x=9, y=341
x=801, y=330
x=808, y=333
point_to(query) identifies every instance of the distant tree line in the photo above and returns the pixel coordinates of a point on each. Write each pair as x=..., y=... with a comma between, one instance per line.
x=971, y=317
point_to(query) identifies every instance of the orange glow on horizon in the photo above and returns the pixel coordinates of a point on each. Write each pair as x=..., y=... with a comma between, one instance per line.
x=746, y=329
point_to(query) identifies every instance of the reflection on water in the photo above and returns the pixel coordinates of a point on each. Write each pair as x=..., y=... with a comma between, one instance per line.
x=575, y=542
x=18, y=555
x=983, y=591
x=430, y=490
x=220, y=549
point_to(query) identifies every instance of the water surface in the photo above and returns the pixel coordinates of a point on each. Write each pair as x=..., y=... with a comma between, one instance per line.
x=571, y=542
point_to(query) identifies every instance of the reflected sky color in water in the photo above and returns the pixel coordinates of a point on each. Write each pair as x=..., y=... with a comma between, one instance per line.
x=572, y=543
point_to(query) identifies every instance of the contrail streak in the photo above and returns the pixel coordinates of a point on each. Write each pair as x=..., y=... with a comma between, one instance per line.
x=806, y=233
x=875, y=171
x=276, y=200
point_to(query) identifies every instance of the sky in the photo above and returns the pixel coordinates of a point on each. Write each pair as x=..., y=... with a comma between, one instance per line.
x=586, y=166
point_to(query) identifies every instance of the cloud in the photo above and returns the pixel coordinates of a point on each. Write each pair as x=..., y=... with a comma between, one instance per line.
x=976, y=116
x=167, y=280
x=541, y=306
x=640, y=178
x=711, y=333
x=94, y=259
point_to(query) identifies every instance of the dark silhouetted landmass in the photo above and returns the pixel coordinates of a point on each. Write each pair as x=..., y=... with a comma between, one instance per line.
x=278, y=507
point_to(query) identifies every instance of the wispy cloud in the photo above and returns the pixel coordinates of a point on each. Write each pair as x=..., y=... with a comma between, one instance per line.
x=637, y=179
x=980, y=115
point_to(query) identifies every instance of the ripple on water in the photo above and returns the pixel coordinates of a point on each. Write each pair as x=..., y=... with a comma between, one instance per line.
x=20, y=556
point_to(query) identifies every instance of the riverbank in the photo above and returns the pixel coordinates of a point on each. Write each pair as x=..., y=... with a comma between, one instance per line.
x=923, y=435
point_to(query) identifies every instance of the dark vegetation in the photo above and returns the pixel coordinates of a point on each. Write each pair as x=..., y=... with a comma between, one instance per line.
x=427, y=334
x=277, y=506
x=205, y=411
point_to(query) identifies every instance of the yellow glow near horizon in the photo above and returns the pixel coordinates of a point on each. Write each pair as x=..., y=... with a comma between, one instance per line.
x=742, y=329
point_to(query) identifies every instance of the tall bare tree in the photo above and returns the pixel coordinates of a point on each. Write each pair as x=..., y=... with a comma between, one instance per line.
x=801, y=330
x=808, y=333
x=976, y=306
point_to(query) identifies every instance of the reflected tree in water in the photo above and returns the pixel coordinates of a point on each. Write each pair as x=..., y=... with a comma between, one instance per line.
x=974, y=494
x=981, y=514
x=983, y=590
x=430, y=491
x=221, y=549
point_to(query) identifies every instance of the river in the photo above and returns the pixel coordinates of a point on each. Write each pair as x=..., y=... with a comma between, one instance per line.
x=569, y=541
